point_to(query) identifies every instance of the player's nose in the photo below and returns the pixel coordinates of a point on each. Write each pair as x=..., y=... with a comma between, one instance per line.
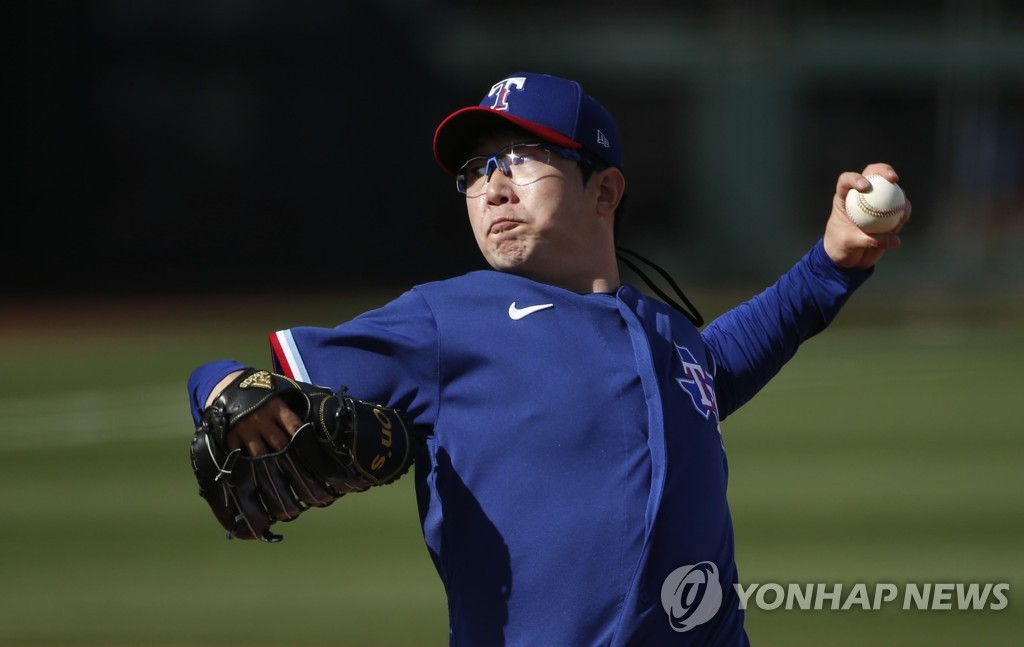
x=501, y=189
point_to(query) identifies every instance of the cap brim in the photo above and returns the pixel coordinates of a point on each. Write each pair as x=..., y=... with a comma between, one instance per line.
x=462, y=130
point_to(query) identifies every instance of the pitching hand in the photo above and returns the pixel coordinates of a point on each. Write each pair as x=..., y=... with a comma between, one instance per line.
x=845, y=243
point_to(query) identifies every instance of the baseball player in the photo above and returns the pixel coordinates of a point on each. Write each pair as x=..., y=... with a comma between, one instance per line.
x=565, y=428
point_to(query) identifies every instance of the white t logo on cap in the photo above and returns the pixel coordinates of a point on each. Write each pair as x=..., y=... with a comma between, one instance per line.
x=501, y=89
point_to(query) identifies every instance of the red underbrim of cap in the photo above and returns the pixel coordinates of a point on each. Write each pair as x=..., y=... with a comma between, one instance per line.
x=460, y=131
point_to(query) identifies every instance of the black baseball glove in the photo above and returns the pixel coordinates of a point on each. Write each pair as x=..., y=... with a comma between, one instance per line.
x=344, y=445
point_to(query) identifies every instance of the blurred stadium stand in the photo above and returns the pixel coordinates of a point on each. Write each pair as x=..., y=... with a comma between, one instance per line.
x=162, y=144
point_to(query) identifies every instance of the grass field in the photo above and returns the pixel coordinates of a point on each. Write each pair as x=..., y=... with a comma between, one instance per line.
x=878, y=455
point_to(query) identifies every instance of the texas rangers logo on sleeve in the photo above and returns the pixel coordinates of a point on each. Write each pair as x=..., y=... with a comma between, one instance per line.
x=501, y=90
x=697, y=383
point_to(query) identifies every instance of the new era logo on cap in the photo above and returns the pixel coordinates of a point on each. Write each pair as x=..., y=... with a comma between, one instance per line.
x=554, y=110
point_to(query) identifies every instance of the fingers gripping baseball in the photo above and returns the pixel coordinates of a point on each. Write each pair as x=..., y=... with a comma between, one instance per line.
x=849, y=244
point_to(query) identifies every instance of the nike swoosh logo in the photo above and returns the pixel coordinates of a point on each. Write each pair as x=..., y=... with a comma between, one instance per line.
x=515, y=314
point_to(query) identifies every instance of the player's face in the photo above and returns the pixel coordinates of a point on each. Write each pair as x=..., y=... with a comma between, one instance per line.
x=544, y=229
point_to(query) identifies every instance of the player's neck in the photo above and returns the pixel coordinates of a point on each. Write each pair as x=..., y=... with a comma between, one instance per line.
x=599, y=274
x=606, y=284
x=598, y=277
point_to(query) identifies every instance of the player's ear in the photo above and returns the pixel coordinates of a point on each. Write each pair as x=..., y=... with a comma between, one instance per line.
x=611, y=186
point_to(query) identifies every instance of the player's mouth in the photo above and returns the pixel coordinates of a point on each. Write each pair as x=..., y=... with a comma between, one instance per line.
x=501, y=225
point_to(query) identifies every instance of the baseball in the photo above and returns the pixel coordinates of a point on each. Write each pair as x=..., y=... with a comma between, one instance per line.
x=879, y=209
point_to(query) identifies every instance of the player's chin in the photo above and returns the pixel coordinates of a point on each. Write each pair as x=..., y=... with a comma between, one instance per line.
x=507, y=256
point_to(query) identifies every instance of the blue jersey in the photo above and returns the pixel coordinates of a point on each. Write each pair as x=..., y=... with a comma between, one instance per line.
x=574, y=472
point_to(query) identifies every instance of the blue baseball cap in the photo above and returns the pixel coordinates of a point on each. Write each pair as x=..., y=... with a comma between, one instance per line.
x=556, y=110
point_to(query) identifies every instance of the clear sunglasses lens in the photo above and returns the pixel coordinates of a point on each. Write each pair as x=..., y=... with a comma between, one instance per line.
x=472, y=176
x=522, y=163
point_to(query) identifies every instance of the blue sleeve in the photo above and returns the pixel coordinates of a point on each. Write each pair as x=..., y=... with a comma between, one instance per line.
x=202, y=381
x=388, y=355
x=750, y=343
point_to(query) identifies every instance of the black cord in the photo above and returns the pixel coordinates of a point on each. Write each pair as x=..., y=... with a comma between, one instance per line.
x=689, y=310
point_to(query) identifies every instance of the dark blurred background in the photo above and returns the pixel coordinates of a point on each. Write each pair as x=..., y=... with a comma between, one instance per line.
x=175, y=158
x=161, y=145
